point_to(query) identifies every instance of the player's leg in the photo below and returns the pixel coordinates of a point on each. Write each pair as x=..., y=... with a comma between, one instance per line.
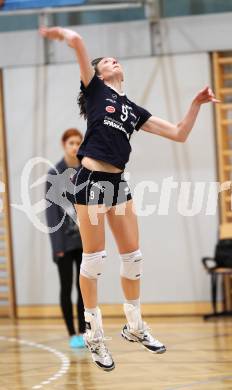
x=80, y=303
x=125, y=230
x=93, y=258
x=93, y=241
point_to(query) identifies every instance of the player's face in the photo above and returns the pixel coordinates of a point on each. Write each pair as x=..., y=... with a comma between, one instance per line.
x=109, y=67
x=71, y=145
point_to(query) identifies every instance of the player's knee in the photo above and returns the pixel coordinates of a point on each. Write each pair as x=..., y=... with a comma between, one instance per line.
x=92, y=264
x=131, y=265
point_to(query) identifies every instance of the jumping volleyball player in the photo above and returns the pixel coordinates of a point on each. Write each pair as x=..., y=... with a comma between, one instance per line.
x=111, y=119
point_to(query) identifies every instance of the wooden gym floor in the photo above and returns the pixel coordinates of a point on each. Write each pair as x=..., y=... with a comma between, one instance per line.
x=34, y=354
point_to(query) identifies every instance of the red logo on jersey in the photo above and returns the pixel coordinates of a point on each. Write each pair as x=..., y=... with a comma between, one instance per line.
x=110, y=109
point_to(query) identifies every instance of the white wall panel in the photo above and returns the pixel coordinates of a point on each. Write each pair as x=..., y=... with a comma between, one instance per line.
x=191, y=34
x=20, y=48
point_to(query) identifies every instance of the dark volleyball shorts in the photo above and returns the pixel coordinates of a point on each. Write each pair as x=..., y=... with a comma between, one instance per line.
x=96, y=187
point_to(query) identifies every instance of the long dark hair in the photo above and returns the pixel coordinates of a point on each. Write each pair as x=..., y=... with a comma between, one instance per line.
x=81, y=99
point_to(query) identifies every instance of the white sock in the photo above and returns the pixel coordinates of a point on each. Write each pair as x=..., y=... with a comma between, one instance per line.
x=92, y=311
x=133, y=314
x=134, y=302
x=93, y=321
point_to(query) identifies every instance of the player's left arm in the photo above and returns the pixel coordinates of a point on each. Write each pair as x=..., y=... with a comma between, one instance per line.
x=180, y=132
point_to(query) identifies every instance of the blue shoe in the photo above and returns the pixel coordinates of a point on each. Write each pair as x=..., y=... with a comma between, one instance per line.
x=77, y=341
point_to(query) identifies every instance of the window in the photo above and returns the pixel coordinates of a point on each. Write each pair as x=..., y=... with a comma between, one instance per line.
x=193, y=7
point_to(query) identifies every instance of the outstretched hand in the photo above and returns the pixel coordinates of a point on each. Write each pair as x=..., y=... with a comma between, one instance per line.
x=60, y=33
x=52, y=33
x=206, y=95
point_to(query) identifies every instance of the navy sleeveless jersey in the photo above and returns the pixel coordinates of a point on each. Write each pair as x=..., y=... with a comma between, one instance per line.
x=111, y=120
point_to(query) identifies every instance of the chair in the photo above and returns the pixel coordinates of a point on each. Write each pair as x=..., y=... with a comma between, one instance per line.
x=215, y=272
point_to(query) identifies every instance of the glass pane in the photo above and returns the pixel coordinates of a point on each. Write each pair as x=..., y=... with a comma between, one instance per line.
x=19, y=22
x=194, y=7
x=30, y=22
x=88, y=17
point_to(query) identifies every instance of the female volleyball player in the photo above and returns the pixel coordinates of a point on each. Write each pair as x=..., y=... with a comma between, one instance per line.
x=111, y=119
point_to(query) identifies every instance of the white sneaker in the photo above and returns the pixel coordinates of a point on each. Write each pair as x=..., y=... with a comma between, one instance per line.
x=94, y=340
x=137, y=331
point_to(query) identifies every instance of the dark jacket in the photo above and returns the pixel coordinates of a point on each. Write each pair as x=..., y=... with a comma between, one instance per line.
x=67, y=236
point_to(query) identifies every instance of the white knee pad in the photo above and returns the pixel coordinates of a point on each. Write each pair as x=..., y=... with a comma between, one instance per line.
x=92, y=264
x=131, y=265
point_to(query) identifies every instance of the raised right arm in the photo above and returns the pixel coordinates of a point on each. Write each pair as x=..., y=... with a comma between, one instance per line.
x=76, y=42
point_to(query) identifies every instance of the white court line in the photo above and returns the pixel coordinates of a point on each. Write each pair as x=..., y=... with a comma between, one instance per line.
x=65, y=362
